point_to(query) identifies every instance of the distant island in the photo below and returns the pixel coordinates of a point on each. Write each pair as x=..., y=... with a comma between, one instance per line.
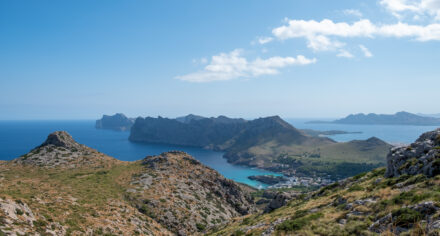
x=268, y=143
x=400, y=118
x=437, y=115
x=117, y=122
x=318, y=133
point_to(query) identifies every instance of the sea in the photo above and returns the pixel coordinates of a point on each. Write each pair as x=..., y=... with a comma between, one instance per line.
x=19, y=137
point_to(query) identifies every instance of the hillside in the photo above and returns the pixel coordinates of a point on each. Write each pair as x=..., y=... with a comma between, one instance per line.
x=118, y=122
x=63, y=188
x=403, y=199
x=267, y=143
x=400, y=118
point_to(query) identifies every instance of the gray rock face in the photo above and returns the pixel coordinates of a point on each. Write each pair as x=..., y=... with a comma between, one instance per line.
x=280, y=200
x=193, y=196
x=421, y=157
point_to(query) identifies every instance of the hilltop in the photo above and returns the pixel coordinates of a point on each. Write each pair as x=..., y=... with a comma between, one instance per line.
x=401, y=199
x=63, y=187
x=400, y=118
x=268, y=143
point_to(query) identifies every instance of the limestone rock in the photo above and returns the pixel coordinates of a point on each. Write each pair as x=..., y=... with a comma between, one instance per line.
x=421, y=157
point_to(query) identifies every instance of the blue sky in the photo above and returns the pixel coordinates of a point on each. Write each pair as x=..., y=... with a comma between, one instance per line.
x=304, y=58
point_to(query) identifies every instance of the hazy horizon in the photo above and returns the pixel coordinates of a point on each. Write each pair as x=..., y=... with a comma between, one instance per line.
x=297, y=59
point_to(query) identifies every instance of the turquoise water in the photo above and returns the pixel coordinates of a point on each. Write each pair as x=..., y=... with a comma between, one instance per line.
x=394, y=134
x=19, y=137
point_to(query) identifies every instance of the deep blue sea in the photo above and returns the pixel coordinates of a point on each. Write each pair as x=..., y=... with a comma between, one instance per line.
x=19, y=137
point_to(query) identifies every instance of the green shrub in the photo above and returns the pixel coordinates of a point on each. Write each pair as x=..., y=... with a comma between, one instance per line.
x=358, y=176
x=298, y=223
x=19, y=211
x=406, y=217
x=355, y=187
x=238, y=233
x=200, y=227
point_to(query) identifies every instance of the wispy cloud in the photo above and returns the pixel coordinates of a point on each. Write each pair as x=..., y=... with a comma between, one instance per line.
x=363, y=28
x=233, y=65
x=264, y=40
x=366, y=51
x=352, y=12
x=345, y=54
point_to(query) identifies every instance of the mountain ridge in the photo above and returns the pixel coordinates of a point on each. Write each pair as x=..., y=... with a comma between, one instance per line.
x=258, y=143
x=399, y=118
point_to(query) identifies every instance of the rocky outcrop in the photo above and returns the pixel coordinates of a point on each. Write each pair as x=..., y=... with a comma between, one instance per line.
x=61, y=150
x=117, y=122
x=421, y=157
x=193, y=197
x=279, y=200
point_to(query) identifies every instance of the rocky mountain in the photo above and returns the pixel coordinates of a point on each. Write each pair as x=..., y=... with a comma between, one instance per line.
x=61, y=151
x=117, y=122
x=187, y=119
x=403, y=199
x=267, y=143
x=400, y=118
x=65, y=188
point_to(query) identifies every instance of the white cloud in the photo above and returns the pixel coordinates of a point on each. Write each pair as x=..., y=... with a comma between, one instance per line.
x=232, y=65
x=344, y=53
x=362, y=28
x=352, y=12
x=419, y=7
x=264, y=40
x=323, y=43
x=366, y=51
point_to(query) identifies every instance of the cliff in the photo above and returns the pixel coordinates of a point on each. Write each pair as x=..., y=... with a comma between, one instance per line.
x=117, y=122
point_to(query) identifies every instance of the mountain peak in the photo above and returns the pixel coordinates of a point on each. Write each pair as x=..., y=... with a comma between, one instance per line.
x=60, y=139
x=60, y=149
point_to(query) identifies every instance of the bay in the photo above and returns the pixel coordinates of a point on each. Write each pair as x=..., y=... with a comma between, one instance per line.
x=19, y=137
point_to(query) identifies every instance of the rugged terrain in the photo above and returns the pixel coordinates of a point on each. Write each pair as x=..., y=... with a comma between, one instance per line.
x=87, y=192
x=403, y=199
x=118, y=122
x=65, y=188
x=267, y=143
